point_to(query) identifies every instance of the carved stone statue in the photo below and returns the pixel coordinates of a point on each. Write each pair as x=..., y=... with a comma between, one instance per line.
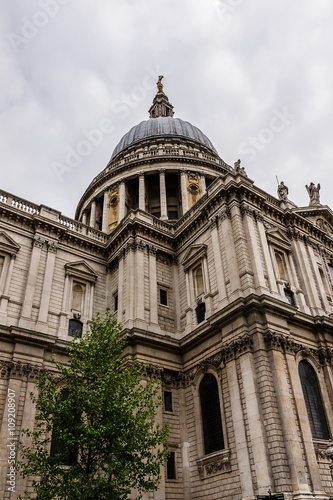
x=313, y=192
x=159, y=84
x=238, y=169
x=282, y=191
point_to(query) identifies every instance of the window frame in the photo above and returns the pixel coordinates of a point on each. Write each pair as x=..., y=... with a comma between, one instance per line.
x=321, y=417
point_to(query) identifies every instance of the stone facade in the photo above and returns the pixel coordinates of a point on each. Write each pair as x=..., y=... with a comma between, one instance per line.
x=208, y=275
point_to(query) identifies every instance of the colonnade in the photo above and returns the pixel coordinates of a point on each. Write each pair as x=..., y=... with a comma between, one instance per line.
x=88, y=216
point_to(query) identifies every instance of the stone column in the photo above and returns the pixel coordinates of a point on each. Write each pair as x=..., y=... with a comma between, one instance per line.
x=188, y=310
x=139, y=289
x=120, y=286
x=142, y=192
x=176, y=293
x=304, y=265
x=84, y=217
x=28, y=421
x=289, y=424
x=14, y=385
x=122, y=200
x=92, y=221
x=105, y=211
x=266, y=253
x=183, y=189
x=163, y=196
x=253, y=247
x=185, y=445
x=255, y=423
x=321, y=290
x=153, y=286
x=129, y=300
x=5, y=292
x=42, y=325
x=203, y=184
x=218, y=262
x=239, y=430
x=208, y=295
x=63, y=327
x=25, y=320
x=228, y=242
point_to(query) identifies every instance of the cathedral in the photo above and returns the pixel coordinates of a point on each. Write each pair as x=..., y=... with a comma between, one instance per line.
x=225, y=293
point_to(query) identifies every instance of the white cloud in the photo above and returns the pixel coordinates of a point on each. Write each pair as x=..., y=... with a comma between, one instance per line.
x=228, y=64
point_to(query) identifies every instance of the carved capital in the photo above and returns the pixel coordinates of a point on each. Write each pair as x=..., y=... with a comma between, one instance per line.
x=52, y=247
x=224, y=214
x=38, y=242
x=18, y=370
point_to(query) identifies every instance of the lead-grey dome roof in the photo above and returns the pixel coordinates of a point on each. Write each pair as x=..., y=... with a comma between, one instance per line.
x=162, y=126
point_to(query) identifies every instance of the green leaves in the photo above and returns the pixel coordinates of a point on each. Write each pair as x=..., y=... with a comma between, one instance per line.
x=107, y=420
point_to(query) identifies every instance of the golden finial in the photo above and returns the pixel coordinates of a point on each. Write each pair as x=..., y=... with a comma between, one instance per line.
x=159, y=84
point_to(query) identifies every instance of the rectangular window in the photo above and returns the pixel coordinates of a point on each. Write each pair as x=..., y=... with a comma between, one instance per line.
x=116, y=303
x=163, y=297
x=201, y=312
x=171, y=466
x=167, y=401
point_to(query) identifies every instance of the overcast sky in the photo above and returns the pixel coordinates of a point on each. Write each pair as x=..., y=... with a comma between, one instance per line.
x=255, y=76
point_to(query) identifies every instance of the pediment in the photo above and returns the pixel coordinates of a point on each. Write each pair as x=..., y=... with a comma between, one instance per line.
x=7, y=244
x=277, y=238
x=193, y=254
x=320, y=215
x=81, y=269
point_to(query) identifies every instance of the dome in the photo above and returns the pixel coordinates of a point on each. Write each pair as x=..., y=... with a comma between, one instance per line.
x=162, y=126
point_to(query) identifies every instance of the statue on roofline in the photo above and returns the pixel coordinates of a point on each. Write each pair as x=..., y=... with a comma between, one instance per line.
x=159, y=84
x=313, y=193
x=282, y=191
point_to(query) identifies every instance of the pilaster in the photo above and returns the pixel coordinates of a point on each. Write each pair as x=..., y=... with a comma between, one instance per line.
x=25, y=320
x=92, y=221
x=42, y=325
x=142, y=192
x=163, y=196
x=183, y=189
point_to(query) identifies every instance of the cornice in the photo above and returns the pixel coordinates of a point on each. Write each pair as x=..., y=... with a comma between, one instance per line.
x=19, y=370
x=286, y=344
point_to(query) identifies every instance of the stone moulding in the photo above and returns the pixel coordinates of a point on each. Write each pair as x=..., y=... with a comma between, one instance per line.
x=213, y=464
x=324, y=355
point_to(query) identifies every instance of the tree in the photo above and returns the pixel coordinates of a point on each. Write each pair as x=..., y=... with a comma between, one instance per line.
x=99, y=415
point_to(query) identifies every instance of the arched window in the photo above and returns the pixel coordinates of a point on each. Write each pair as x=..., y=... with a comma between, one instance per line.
x=78, y=294
x=75, y=328
x=198, y=281
x=211, y=414
x=313, y=402
x=281, y=266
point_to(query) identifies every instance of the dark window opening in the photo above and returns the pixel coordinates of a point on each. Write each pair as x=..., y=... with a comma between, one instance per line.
x=68, y=457
x=171, y=466
x=211, y=414
x=289, y=296
x=163, y=297
x=313, y=401
x=75, y=328
x=208, y=182
x=172, y=215
x=167, y=401
x=116, y=303
x=201, y=312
